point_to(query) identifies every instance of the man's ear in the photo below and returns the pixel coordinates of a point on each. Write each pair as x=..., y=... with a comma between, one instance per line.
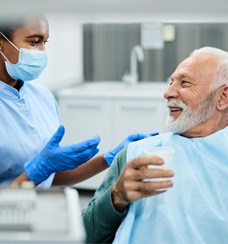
x=222, y=102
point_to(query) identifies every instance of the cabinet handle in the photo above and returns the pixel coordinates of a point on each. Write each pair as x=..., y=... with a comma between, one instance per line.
x=138, y=108
x=84, y=106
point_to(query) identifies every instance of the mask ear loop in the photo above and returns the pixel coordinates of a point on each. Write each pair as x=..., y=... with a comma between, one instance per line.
x=10, y=43
x=1, y=49
x=3, y=55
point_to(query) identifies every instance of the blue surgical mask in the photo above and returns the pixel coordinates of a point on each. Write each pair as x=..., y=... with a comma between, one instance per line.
x=30, y=63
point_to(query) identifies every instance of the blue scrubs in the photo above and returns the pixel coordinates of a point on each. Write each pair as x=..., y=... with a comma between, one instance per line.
x=195, y=209
x=28, y=118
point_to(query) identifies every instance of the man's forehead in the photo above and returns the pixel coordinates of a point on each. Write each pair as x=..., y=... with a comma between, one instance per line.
x=183, y=69
x=197, y=66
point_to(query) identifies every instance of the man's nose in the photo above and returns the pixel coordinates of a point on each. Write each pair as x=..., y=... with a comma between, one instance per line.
x=172, y=91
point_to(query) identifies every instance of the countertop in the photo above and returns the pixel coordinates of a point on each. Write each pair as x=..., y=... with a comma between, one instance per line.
x=114, y=90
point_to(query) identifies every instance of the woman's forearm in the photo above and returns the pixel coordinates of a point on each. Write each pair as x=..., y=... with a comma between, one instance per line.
x=19, y=180
x=70, y=177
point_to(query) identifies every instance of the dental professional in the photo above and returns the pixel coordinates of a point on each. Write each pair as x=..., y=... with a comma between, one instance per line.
x=30, y=133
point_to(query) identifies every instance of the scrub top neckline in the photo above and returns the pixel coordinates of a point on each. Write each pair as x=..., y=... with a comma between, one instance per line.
x=11, y=92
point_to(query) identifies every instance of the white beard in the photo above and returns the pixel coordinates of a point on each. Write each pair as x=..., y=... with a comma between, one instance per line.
x=190, y=118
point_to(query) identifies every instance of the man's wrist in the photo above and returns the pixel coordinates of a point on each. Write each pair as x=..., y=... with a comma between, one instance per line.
x=119, y=204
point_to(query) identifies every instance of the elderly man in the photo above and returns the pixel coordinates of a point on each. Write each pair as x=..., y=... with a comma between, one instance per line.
x=190, y=207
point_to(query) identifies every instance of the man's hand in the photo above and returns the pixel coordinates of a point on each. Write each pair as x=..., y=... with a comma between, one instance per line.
x=131, y=184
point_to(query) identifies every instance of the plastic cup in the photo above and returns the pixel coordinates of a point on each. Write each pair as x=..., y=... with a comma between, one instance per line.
x=166, y=153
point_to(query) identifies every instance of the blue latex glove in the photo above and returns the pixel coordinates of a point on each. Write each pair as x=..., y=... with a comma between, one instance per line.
x=109, y=155
x=54, y=158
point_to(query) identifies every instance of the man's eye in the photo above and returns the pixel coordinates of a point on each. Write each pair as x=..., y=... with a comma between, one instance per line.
x=170, y=81
x=185, y=83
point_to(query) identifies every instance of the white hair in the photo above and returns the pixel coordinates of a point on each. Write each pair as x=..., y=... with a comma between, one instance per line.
x=221, y=72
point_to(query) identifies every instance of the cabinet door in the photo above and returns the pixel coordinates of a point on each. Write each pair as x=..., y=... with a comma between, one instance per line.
x=142, y=116
x=84, y=118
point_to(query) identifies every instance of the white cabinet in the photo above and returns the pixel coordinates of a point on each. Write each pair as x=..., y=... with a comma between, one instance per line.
x=111, y=113
x=137, y=115
x=84, y=118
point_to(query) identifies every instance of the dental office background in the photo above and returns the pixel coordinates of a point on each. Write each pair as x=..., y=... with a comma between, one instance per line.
x=88, y=52
x=91, y=43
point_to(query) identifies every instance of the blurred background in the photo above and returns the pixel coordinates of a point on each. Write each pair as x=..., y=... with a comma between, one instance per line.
x=107, y=47
x=91, y=40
